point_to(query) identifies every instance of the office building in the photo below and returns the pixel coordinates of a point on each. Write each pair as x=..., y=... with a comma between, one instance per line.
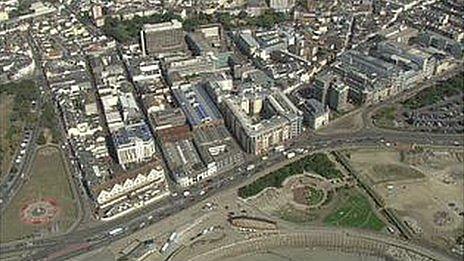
x=134, y=144
x=321, y=85
x=131, y=190
x=197, y=106
x=262, y=120
x=338, y=96
x=162, y=37
x=315, y=113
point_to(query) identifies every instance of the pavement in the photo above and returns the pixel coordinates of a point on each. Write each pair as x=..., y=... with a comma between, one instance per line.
x=97, y=236
x=14, y=180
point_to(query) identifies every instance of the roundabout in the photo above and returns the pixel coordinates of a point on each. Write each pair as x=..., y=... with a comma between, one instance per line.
x=308, y=192
x=40, y=212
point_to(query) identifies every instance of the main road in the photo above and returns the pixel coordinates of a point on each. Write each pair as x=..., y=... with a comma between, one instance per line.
x=97, y=236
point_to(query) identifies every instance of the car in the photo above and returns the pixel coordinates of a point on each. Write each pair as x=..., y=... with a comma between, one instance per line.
x=202, y=193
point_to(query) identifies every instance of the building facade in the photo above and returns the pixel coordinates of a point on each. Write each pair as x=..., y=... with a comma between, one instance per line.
x=162, y=37
x=262, y=121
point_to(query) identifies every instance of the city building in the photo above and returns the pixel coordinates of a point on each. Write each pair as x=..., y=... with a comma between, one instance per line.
x=217, y=148
x=205, y=40
x=338, y=96
x=185, y=163
x=406, y=57
x=97, y=15
x=210, y=151
x=315, y=114
x=441, y=43
x=321, y=85
x=281, y=5
x=134, y=144
x=182, y=70
x=170, y=124
x=162, y=37
x=131, y=190
x=197, y=106
x=262, y=119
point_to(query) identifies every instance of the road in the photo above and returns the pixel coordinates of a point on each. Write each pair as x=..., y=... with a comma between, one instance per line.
x=15, y=178
x=337, y=240
x=99, y=237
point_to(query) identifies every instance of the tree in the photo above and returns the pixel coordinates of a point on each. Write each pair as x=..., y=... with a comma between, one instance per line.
x=41, y=138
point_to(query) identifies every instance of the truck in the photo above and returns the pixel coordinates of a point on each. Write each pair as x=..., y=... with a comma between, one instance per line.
x=290, y=155
x=280, y=148
x=172, y=236
x=116, y=231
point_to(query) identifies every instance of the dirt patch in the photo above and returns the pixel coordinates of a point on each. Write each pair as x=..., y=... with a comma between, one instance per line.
x=394, y=172
x=348, y=123
x=425, y=188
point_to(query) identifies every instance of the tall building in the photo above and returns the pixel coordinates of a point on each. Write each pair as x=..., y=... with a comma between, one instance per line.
x=321, y=86
x=261, y=121
x=162, y=37
x=338, y=96
x=315, y=113
x=97, y=15
x=134, y=144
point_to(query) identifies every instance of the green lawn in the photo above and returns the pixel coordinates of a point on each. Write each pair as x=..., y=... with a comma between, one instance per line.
x=318, y=163
x=436, y=93
x=355, y=212
x=15, y=113
x=49, y=178
x=6, y=145
x=385, y=116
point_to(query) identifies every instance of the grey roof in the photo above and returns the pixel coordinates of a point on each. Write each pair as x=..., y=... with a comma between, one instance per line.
x=314, y=107
x=196, y=104
x=127, y=135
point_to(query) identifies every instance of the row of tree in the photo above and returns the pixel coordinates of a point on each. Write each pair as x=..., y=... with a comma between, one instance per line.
x=127, y=31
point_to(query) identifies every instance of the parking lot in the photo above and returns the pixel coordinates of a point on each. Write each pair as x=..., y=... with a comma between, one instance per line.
x=446, y=116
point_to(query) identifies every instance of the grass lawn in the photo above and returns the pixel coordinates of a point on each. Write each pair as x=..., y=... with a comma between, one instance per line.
x=16, y=112
x=48, y=179
x=386, y=116
x=6, y=105
x=436, y=93
x=394, y=172
x=318, y=163
x=356, y=212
